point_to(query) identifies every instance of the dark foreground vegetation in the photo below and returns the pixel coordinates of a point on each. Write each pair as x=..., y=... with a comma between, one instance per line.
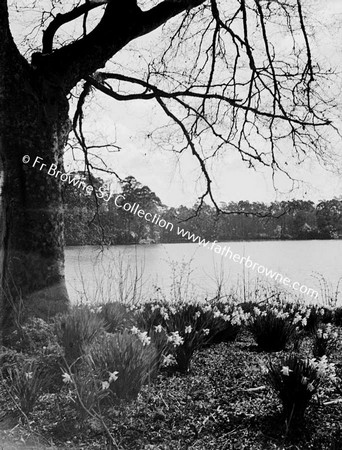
x=92, y=221
x=197, y=375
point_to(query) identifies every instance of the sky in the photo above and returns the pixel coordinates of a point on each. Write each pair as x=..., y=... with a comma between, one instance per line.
x=175, y=178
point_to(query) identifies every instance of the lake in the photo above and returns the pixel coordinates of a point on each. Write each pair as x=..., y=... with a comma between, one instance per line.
x=312, y=268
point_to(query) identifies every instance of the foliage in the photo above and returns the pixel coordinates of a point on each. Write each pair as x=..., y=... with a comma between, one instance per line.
x=84, y=388
x=182, y=327
x=159, y=339
x=325, y=341
x=221, y=375
x=116, y=316
x=33, y=336
x=188, y=326
x=228, y=319
x=79, y=210
x=296, y=380
x=25, y=382
x=315, y=318
x=134, y=359
x=194, y=324
x=9, y=360
x=299, y=220
x=76, y=330
x=151, y=314
x=272, y=332
x=338, y=317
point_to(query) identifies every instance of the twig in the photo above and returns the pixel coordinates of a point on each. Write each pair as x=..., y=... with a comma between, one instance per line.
x=332, y=402
x=256, y=389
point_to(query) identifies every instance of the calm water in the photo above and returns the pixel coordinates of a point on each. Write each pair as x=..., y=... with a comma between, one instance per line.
x=108, y=274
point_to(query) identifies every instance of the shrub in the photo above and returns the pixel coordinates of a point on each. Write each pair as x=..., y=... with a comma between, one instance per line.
x=116, y=316
x=272, y=332
x=76, y=330
x=131, y=356
x=325, y=341
x=296, y=380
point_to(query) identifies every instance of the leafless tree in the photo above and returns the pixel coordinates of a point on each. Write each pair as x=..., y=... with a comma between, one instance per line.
x=230, y=76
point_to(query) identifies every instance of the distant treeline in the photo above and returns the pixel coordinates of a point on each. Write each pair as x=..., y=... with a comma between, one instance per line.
x=91, y=220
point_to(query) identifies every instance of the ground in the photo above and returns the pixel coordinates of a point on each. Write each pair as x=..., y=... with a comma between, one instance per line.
x=224, y=403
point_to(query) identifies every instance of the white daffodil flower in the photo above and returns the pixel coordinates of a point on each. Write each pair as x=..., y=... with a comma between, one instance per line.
x=66, y=378
x=105, y=385
x=286, y=370
x=168, y=360
x=113, y=376
x=175, y=339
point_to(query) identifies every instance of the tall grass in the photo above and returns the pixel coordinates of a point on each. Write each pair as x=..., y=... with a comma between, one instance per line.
x=331, y=296
x=118, y=278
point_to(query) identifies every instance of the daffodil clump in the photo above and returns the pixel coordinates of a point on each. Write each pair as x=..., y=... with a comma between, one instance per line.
x=181, y=328
x=230, y=317
x=272, y=330
x=325, y=340
x=76, y=330
x=296, y=313
x=88, y=390
x=277, y=324
x=296, y=380
x=129, y=353
x=26, y=382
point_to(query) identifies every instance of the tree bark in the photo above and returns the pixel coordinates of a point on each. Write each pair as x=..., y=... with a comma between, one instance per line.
x=34, y=122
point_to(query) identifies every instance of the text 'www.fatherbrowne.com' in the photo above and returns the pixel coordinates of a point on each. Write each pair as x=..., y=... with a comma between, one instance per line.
x=225, y=251
x=119, y=201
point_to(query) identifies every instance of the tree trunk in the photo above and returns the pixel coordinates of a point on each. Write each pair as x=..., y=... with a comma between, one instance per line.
x=34, y=122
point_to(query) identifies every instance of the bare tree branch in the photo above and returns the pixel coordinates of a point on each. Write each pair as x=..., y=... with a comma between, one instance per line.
x=121, y=23
x=253, y=107
x=62, y=19
x=222, y=78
